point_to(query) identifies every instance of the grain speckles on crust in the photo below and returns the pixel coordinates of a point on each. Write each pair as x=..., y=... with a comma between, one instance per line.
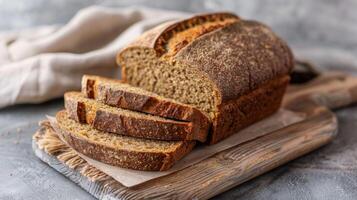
x=187, y=31
x=210, y=65
x=122, y=151
x=114, y=93
x=131, y=123
x=238, y=58
x=249, y=108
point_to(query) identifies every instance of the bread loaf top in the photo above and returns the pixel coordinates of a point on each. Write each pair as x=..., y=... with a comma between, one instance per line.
x=236, y=55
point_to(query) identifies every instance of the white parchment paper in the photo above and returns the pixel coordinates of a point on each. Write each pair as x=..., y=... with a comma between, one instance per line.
x=130, y=178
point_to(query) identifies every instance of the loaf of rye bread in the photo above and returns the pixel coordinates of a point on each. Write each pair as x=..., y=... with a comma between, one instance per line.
x=130, y=123
x=115, y=93
x=117, y=150
x=234, y=70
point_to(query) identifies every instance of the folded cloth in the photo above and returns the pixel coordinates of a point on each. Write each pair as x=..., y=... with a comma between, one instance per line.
x=42, y=63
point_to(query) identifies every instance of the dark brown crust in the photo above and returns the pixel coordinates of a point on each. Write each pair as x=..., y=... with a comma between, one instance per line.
x=237, y=114
x=146, y=104
x=136, y=127
x=238, y=58
x=147, y=161
x=250, y=52
x=162, y=39
x=89, y=88
x=157, y=37
x=89, y=82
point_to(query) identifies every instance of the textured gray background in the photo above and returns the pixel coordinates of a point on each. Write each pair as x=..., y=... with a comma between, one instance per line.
x=323, y=31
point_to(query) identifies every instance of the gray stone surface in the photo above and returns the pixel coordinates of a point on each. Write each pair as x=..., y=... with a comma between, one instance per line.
x=22, y=174
x=322, y=31
x=328, y=173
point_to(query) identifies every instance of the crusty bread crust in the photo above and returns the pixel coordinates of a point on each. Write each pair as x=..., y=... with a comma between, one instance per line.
x=238, y=59
x=239, y=113
x=147, y=161
x=157, y=37
x=98, y=88
x=120, y=123
x=251, y=53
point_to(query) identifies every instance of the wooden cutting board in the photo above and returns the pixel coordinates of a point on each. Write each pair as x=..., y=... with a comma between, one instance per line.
x=236, y=165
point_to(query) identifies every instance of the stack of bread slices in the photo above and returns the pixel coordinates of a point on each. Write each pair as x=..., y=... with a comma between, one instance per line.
x=126, y=126
x=197, y=80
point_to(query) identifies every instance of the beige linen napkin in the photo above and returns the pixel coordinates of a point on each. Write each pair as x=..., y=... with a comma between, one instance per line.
x=42, y=63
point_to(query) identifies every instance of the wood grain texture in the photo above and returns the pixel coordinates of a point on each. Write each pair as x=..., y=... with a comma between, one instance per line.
x=233, y=166
x=335, y=47
x=222, y=171
x=332, y=89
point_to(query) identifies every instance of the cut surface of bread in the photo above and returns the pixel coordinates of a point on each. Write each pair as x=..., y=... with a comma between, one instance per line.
x=115, y=93
x=211, y=61
x=127, y=122
x=122, y=151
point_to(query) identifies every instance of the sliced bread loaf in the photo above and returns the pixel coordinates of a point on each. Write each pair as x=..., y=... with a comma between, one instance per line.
x=115, y=93
x=233, y=69
x=122, y=151
x=127, y=122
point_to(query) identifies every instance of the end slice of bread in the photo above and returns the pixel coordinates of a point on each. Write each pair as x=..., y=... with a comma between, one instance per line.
x=130, y=123
x=115, y=93
x=122, y=151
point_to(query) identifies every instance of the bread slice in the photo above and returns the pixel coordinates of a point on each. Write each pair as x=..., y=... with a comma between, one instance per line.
x=234, y=70
x=130, y=123
x=121, y=151
x=115, y=93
